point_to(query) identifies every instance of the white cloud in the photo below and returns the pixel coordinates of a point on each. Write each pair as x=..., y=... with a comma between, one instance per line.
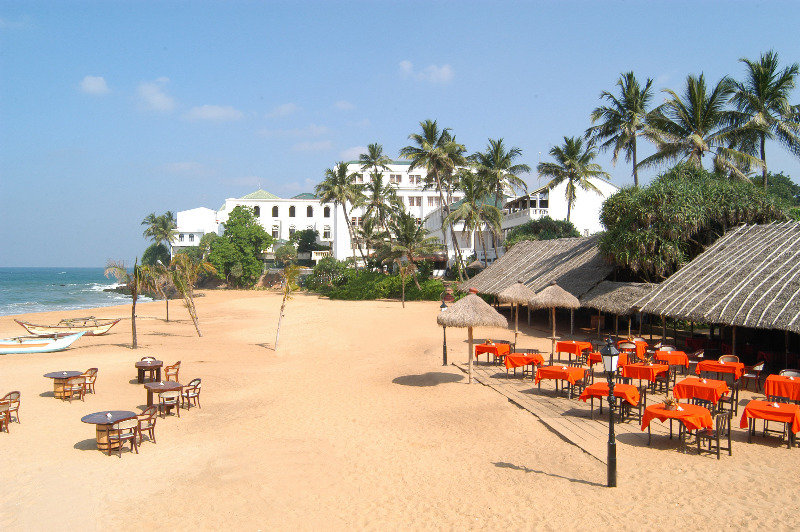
x=321, y=145
x=187, y=169
x=285, y=109
x=154, y=98
x=344, y=105
x=431, y=73
x=94, y=85
x=217, y=113
x=351, y=154
x=311, y=130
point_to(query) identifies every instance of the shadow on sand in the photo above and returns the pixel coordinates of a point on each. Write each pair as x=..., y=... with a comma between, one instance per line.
x=537, y=471
x=432, y=378
x=89, y=444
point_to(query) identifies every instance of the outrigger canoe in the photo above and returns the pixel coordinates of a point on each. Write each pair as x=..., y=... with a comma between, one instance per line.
x=37, y=344
x=90, y=325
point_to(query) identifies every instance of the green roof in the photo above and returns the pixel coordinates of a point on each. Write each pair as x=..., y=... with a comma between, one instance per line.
x=305, y=195
x=260, y=194
x=390, y=162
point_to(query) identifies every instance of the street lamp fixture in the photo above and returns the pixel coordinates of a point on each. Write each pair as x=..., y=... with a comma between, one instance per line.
x=610, y=356
x=442, y=308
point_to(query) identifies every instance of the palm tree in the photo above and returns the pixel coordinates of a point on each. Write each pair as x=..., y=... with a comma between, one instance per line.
x=474, y=210
x=339, y=188
x=374, y=161
x=184, y=273
x=623, y=119
x=411, y=243
x=690, y=126
x=160, y=228
x=380, y=201
x=374, y=238
x=762, y=102
x=289, y=276
x=141, y=279
x=438, y=152
x=574, y=165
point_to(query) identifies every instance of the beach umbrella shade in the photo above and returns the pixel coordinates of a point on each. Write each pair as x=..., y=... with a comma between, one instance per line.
x=554, y=297
x=471, y=311
x=475, y=265
x=517, y=294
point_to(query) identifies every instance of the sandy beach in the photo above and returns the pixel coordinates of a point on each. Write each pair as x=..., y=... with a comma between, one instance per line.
x=352, y=423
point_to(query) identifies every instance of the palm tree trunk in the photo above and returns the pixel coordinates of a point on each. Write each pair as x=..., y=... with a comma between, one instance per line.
x=483, y=245
x=403, y=290
x=166, y=300
x=353, y=235
x=635, y=170
x=280, y=318
x=569, y=208
x=446, y=207
x=764, y=159
x=134, y=294
x=188, y=300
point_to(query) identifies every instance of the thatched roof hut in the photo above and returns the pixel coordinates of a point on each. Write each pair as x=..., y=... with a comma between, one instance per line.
x=554, y=297
x=616, y=298
x=574, y=263
x=518, y=294
x=750, y=277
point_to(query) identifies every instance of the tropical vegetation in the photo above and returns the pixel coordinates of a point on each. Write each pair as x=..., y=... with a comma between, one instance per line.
x=545, y=228
x=237, y=254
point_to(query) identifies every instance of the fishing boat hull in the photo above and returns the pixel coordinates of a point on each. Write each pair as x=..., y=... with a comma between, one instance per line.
x=96, y=328
x=37, y=344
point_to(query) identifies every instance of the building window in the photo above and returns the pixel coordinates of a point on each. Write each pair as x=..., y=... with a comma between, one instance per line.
x=433, y=201
x=356, y=221
x=275, y=231
x=327, y=212
x=326, y=232
x=257, y=211
x=359, y=178
x=401, y=199
x=291, y=229
x=275, y=211
x=309, y=211
x=415, y=201
x=180, y=238
x=394, y=178
x=291, y=211
x=191, y=237
x=415, y=179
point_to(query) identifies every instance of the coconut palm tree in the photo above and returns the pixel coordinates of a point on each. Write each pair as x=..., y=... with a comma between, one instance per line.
x=380, y=201
x=374, y=161
x=161, y=229
x=141, y=279
x=573, y=165
x=475, y=211
x=411, y=243
x=184, y=273
x=623, y=119
x=497, y=169
x=339, y=188
x=374, y=238
x=697, y=123
x=437, y=151
x=764, y=111
x=289, y=276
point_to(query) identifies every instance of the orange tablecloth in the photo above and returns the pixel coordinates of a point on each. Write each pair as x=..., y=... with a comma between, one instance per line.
x=782, y=386
x=673, y=358
x=693, y=417
x=562, y=373
x=518, y=360
x=643, y=372
x=641, y=346
x=495, y=349
x=785, y=413
x=572, y=347
x=596, y=358
x=692, y=387
x=715, y=366
x=626, y=392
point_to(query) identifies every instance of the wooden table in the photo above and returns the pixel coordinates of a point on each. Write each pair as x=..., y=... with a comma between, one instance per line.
x=498, y=350
x=782, y=386
x=522, y=360
x=572, y=347
x=641, y=371
x=104, y=421
x=715, y=366
x=706, y=389
x=60, y=379
x=693, y=417
x=673, y=358
x=596, y=358
x=158, y=387
x=149, y=365
x=570, y=374
x=781, y=412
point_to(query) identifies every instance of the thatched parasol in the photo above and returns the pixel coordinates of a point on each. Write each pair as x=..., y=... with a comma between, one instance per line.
x=517, y=293
x=554, y=297
x=475, y=265
x=471, y=311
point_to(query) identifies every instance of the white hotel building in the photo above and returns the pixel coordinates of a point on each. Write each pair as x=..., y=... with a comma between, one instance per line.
x=281, y=217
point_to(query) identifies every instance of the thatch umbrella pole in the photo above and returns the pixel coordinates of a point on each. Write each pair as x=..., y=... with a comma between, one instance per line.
x=529, y=315
x=551, y=297
x=650, y=328
x=516, y=325
x=572, y=322
x=663, y=329
x=515, y=294
x=616, y=325
x=640, y=323
x=599, y=317
x=553, y=340
x=629, y=324
x=733, y=340
x=469, y=335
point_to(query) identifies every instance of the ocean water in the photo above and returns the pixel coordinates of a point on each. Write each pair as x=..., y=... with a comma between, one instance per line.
x=24, y=290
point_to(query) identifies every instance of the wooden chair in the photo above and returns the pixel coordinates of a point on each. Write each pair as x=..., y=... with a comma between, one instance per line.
x=629, y=348
x=75, y=385
x=5, y=417
x=90, y=376
x=708, y=405
x=629, y=412
x=729, y=358
x=147, y=423
x=715, y=437
x=731, y=399
x=122, y=431
x=168, y=400
x=753, y=373
x=12, y=398
x=191, y=393
x=581, y=384
x=790, y=373
x=171, y=372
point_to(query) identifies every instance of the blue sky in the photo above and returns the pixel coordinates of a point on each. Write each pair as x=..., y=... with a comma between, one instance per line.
x=112, y=110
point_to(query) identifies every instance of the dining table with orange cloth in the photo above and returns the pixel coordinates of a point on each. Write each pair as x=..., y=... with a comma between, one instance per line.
x=596, y=358
x=498, y=350
x=715, y=366
x=693, y=417
x=641, y=371
x=641, y=346
x=626, y=392
x=694, y=388
x=573, y=347
x=783, y=413
x=518, y=360
x=673, y=358
x=782, y=386
x=570, y=374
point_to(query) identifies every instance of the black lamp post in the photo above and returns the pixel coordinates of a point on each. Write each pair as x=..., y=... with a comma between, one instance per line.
x=610, y=356
x=442, y=308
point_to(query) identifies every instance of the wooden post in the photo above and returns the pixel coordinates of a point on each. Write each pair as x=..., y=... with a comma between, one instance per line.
x=469, y=332
x=786, y=349
x=553, y=341
x=516, y=325
x=640, y=324
x=663, y=329
x=529, y=315
x=599, y=315
x=616, y=326
x=733, y=340
x=650, y=328
x=630, y=317
x=572, y=322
